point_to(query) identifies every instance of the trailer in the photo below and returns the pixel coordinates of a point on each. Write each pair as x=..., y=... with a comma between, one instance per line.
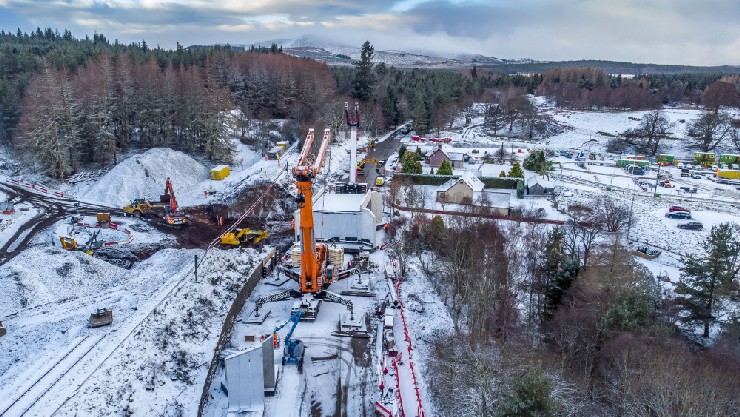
x=730, y=174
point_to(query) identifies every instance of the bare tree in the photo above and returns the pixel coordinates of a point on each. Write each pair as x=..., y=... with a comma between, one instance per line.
x=609, y=215
x=653, y=128
x=711, y=129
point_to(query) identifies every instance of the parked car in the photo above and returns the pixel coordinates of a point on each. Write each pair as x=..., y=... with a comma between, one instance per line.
x=694, y=225
x=678, y=215
x=678, y=208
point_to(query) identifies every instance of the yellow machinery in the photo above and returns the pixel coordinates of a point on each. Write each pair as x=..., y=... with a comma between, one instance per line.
x=379, y=181
x=243, y=236
x=362, y=163
x=89, y=247
x=142, y=208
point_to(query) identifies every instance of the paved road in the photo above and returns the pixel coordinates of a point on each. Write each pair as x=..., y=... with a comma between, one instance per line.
x=382, y=151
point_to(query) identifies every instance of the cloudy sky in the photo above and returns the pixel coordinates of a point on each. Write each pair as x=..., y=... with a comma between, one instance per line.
x=697, y=32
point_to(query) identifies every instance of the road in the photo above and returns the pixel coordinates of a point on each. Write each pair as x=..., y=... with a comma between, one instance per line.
x=382, y=151
x=51, y=210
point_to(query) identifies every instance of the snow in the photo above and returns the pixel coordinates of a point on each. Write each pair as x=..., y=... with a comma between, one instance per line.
x=143, y=176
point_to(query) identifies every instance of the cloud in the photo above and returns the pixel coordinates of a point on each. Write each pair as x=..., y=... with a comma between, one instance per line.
x=658, y=31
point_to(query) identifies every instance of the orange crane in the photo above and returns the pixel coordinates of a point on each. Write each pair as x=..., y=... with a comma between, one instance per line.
x=312, y=279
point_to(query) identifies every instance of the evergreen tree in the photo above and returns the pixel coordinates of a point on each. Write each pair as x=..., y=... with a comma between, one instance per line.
x=363, y=84
x=560, y=271
x=410, y=164
x=531, y=396
x=502, y=174
x=536, y=162
x=444, y=168
x=402, y=152
x=516, y=171
x=704, y=279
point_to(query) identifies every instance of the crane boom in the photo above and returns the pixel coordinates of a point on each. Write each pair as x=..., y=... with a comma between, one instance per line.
x=313, y=259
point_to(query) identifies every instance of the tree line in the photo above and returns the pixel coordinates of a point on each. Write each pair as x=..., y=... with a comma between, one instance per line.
x=563, y=321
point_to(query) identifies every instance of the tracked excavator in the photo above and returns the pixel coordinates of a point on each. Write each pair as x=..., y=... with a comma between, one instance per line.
x=244, y=236
x=312, y=280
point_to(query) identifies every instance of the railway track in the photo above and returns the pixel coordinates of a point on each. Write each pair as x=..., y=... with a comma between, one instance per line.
x=41, y=386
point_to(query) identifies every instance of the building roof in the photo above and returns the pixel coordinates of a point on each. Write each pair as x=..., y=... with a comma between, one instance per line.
x=497, y=199
x=535, y=179
x=474, y=182
x=454, y=156
x=447, y=185
x=340, y=203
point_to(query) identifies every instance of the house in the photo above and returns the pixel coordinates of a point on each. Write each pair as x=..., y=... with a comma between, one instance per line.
x=456, y=159
x=537, y=185
x=460, y=190
x=436, y=158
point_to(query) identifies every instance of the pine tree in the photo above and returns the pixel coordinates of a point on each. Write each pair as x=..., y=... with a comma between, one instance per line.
x=516, y=171
x=502, y=174
x=402, y=152
x=560, y=271
x=704, y=279
x=363, y=84
x=444, y=168
x=411, y=164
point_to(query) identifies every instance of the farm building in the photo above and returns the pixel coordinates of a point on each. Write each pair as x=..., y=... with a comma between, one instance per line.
x=347, y=218
x=460, y=190
x=537, y=185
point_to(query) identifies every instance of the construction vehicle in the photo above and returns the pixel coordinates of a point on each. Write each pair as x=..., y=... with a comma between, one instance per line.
x=312, y=279
x=100, y=318
x=140, y=207
x=171, y=214
x=89, y=247
x=362, y=163
x=243, y=236
x=293, y=349
x=379, y=181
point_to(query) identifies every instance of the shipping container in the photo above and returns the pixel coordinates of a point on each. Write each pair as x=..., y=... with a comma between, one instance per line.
x=627, y=162
x=704, y=158
x=220, y=172
x=664, y=159
x=283, y=145
x=730, y=174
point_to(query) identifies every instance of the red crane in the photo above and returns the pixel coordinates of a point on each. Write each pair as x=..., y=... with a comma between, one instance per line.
x=171, y=214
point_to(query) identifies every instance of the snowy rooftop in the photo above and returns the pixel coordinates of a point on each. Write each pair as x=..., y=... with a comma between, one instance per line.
x=535, y=179
x=474, y=182
x=340, y=202
x=454, y=156
x=498, y=199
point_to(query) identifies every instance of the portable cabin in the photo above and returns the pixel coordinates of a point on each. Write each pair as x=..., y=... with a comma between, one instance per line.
x=220, y=172
x=704, y=158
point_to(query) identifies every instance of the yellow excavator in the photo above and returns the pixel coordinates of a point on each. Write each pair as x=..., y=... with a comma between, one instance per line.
x=244, y=236
x=361, y=165
x=89, y=247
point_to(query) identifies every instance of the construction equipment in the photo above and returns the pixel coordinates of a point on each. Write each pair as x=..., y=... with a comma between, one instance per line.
x=362, y=163
x=89, y=247
x=140, y=207
x=100, y=318
x=171, y=215
x=243, y=236
x=293, y=349
x=312, y=280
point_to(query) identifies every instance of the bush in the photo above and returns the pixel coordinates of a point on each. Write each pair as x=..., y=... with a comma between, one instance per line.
x=444, y=168
x=530, y=396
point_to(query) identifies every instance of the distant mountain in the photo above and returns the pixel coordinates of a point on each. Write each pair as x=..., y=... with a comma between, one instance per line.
x=336, y=53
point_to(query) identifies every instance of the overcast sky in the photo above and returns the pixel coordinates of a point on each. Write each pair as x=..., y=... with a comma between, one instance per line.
x=696, y=32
